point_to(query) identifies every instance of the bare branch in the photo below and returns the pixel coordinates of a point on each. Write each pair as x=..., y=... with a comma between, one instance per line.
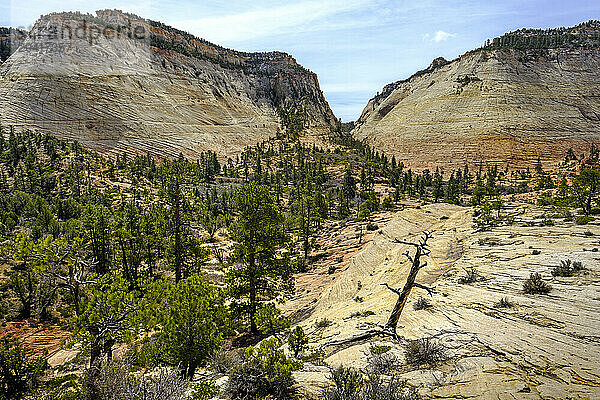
x=381, y=330
x=429, y=290
x=407, y=243
x=397, y=291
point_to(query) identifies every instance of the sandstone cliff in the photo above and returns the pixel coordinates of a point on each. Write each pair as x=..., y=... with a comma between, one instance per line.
x=117, y=82
x=498, y=104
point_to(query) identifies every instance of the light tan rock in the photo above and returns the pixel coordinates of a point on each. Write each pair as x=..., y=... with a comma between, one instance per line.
x=546, y=346
x=81, y=80
x=492, y=106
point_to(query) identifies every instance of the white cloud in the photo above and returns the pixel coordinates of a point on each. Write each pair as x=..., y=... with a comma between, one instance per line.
x=263, y=22
x=440, y=36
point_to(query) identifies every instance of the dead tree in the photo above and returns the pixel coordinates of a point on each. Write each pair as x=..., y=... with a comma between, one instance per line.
x=67, y=271
x=421, y=250
x=389, y=329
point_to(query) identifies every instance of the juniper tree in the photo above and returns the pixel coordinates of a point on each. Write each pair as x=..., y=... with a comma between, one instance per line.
x=192, y=319
x=259, y=272
x=586, y=189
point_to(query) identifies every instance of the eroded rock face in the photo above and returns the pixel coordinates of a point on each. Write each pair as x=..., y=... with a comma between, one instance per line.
x=116, y=82
x=502, y=106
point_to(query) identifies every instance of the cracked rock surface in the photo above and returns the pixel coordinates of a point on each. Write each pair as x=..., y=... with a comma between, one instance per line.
x=544, y=346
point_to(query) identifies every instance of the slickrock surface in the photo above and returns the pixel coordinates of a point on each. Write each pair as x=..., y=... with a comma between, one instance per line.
x=334, y=250
x=92, y=79
x=41, y=339
x=546, y=346
x=503, y=106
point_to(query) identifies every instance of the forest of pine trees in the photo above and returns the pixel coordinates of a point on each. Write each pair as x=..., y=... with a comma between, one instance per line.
x=116, y=250
x=585, y=35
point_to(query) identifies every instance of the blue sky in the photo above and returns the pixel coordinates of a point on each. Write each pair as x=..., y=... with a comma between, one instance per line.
x=355, y=46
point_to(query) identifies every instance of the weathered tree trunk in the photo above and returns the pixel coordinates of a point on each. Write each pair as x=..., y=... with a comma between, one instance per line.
x=416, y=265
x=95, y=348
x=389, y=329
x=76, y=298
x=253, y=297
x=392, y=322
x=191, y=370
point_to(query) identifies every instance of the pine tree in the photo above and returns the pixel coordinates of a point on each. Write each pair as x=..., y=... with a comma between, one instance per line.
x=349, y=185
x=178, y=215
x=258, y=272
x=342, y=210
x=192, y=319
x=98, y=226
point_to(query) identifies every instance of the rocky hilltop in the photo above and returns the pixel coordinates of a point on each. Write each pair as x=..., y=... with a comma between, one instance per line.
x=10, y=40
x=115, y=82
x=527, y=94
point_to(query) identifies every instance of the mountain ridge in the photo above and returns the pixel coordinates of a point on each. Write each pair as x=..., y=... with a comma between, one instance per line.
x=112, y=82
x=498, y=105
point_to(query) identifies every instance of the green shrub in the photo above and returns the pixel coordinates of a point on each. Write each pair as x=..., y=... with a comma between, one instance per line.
x=489, y=214
x=422, y=303
x=583, y=219
x=65, y=387
x=547, y=222
x=322, y=323
x=371, y=226
x=270, y=321
x=264, y=371
x=536, y=285
x=115, y=381
x=545, y=199
x=387, y=203
x=381, y=360
x=315, y=356
x=297, y=341
x=471, y=276
x=504, y=302
x=223, y=361
x=362, y=313
x=350, y=384
x=424, y=351
x=393, y=389
x=20, y=370
x=567, y=268
x=376, y=350
x=205, y=390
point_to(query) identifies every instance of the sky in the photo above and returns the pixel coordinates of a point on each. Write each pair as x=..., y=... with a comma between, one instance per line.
x=355, y=46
